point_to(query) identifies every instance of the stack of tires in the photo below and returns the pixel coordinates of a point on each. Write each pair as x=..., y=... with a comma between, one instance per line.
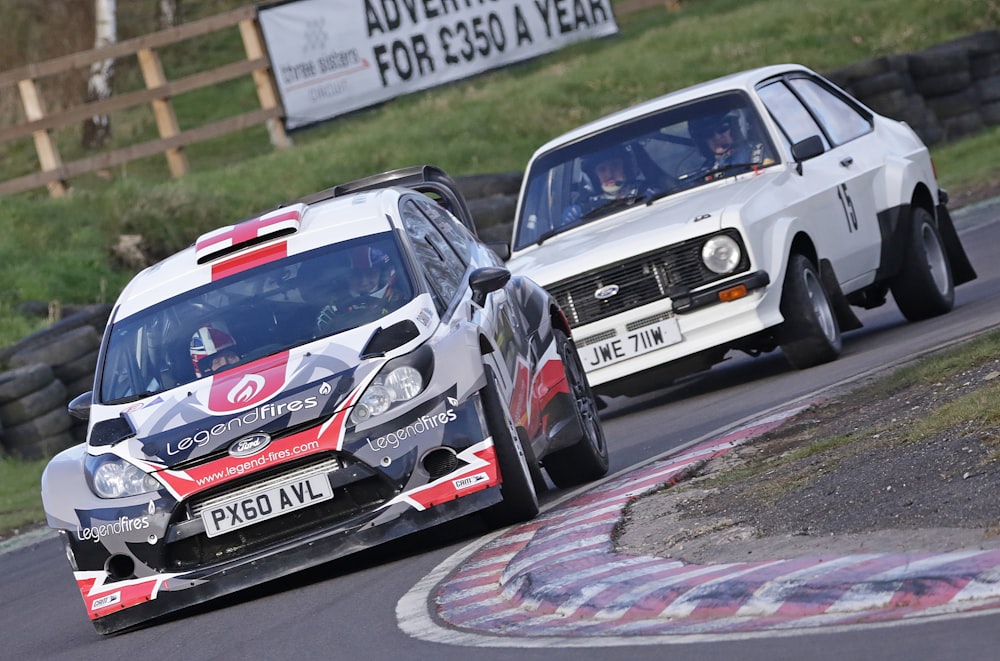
x=944, y=92
x=492, y=200
x=943, y=75
x=886, y=85
x=42, y=373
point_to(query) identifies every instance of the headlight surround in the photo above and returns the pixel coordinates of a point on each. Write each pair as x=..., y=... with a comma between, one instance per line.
x=113, y=477
x=400, y=380
x=721, y=254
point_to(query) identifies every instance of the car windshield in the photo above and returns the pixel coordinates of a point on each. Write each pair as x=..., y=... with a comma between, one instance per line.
x=641, y=161
x=252, y=314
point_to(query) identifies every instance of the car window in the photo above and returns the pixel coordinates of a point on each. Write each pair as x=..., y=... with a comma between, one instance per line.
x=252, y=314
x=455, y=233
x=789, y=113
x=654, y=156
x=842, y=121
x=441, y=264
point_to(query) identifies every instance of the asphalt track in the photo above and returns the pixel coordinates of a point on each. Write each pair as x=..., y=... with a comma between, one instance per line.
x=558, y=576
x=554, y=588
x=558, y=579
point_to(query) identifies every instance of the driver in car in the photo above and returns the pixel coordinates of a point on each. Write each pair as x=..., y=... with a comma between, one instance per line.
x=369, y=293
x=212, y=349
x=613, y=171
x=724, y=145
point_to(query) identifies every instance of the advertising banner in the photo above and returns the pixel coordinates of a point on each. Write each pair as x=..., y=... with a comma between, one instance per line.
x=332, y=57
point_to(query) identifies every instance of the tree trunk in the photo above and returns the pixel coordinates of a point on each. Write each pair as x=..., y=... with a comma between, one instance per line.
x=97, y=129
x=169, y=13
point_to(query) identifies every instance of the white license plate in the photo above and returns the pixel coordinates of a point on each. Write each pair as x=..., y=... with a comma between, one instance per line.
x=639, y=341
x=263, y=505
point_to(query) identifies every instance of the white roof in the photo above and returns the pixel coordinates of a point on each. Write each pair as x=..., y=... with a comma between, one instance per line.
x=744, y=80
x=322, y=223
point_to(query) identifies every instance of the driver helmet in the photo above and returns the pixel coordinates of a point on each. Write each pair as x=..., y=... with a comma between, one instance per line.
x=592, y=161
x=368, y=264
x=703, y=128
x=206, y=342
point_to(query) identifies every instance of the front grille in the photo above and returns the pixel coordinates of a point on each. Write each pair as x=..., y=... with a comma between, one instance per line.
x=640, y=280
x=358, y=491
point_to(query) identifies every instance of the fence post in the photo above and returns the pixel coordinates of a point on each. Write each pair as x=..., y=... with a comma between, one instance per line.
x=48, y=155
x=253, y=44
x=166, y=120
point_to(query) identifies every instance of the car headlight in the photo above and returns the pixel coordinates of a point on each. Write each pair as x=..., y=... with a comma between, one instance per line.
x=113, y=477
x=400, y=381
x=721, y=254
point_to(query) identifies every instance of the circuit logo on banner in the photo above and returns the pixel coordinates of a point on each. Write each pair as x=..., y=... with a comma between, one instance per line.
x=330, y=58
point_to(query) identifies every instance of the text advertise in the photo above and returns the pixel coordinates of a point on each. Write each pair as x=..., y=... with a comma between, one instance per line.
x=332, y=58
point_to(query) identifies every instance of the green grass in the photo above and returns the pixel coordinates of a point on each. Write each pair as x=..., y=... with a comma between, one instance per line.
x=61, y=250
x=20, y=501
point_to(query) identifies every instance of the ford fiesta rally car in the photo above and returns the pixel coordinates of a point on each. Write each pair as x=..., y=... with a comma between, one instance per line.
x=324, y=377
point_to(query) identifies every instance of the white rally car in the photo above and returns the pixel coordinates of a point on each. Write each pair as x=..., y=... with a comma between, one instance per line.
x=749, y=213
x=308, y=383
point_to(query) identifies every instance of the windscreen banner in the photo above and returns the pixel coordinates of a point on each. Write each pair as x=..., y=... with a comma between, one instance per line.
x=333, y=57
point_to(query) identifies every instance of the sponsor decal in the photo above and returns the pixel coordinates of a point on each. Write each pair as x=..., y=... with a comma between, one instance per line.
x=249, y=445
x=470, y=481
x=424, y=317
x=106, y=600
x=247, y=385
x=423, y=424
x=255, y=416
x=121, y=526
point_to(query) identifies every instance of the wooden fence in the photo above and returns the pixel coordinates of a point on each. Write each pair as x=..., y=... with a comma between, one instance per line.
x=55, y=174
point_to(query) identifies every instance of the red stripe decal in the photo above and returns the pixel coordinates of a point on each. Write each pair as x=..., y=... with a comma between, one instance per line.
x=249, y=260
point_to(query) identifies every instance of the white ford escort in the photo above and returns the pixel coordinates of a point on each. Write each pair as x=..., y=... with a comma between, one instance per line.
x=746, y=213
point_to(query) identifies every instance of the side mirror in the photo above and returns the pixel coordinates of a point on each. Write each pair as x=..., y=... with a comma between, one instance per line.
x=803, y=150
x=485, y=280
x=79, y=406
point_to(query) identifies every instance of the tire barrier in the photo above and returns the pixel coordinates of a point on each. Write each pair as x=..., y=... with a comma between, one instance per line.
x=944, y=92
x=44, y=371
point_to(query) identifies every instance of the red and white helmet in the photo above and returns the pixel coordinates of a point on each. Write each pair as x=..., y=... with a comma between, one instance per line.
x=205, y=343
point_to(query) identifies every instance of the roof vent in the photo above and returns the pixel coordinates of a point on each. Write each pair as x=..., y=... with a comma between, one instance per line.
x=227, y=240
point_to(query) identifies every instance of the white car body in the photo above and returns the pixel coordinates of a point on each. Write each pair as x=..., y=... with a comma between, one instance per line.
x=847, y=208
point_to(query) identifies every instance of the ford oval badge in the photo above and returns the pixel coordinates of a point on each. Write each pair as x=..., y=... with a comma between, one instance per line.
x=606, y=292
x=249, y=445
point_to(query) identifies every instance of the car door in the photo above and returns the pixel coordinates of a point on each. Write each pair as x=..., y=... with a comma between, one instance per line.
x=834, y=194
x=444, y=248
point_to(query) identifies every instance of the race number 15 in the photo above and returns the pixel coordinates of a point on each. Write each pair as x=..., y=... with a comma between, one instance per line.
x=845, y=201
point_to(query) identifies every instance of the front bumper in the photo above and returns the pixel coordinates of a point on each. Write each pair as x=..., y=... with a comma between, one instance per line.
x=144, y=557
x=128, y=604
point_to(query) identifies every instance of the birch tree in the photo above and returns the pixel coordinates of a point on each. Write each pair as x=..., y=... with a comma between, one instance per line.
x=169, y=13
x=97, y=129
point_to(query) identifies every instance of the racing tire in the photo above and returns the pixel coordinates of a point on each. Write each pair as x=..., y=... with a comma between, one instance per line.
x=60, y=350
x=514, y=458
x=41, y=448
x=31, y=433
x=18, y=382
x=925, y=286
x=85, y=365
x=588, y=459
x=810, y=334
x=34, y=404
